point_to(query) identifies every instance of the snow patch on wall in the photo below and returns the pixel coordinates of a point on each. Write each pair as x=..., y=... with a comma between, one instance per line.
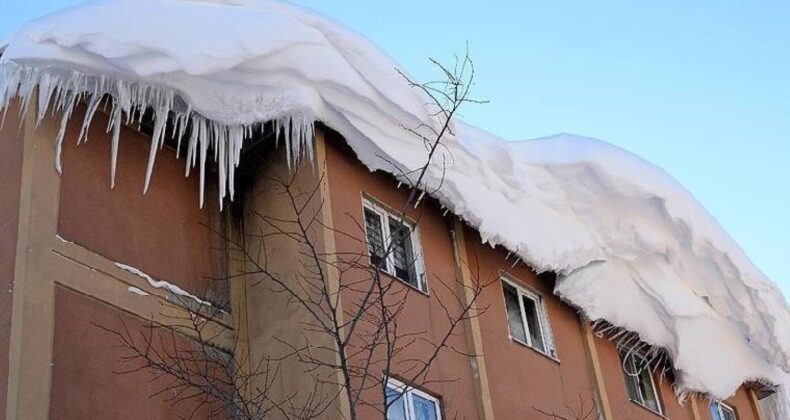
x=161, y=284
x=137, y=291
x=629, y=244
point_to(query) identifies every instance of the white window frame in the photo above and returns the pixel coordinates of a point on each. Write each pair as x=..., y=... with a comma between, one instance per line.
x=543, y=319
x=720, y=406
x=628, y=353
x=408, y=392
x=414, y=237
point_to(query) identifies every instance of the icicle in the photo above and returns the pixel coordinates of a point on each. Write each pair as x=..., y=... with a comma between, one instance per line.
x=419, y=199
x=45, y=90
x=116, y=136
x=69, y=107
x=220, y=150
x=93, y=105
x=192, y=146
x=204, y=141
x=158, y=137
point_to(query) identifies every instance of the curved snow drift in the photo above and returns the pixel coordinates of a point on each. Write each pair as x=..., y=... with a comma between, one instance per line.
x=630, y=245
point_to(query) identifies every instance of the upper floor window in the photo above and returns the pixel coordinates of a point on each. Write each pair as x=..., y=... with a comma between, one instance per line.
x=721, y=411
x=393, y=244
x=407, y=403
x=527, y=318
x=639, y=380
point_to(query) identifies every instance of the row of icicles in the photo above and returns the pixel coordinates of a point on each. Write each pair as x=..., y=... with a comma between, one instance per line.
x=60, y=92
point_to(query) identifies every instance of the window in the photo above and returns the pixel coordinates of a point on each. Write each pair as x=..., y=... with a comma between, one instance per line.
x=639, y=380
x=527, y=318
x=393, y=244
x=721, y=411
x=406, y=403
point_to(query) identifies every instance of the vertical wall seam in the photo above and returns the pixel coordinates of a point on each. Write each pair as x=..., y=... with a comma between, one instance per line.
x=595, y=364
x=472, y=324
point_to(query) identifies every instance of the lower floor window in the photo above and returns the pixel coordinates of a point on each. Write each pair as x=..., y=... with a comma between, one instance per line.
x=407, y=403
x=639, y=380
x=720, y=411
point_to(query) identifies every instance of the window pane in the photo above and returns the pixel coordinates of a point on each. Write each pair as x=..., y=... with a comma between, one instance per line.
x=423, y=409
x=514, y=313
x=631, y=378
x=533, y=322
x=714, y=412
x=727, y=414
x=720, y=411
x=397, y=406
x=647, y=387
x=375, y=237
x=402, y=252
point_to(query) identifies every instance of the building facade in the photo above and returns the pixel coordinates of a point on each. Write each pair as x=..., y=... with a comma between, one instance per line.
x=62, y=238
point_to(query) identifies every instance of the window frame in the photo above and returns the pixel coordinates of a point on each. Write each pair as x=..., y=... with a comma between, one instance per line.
x=385, y=213
x=721, y=406
x=407, y=392
x=628, y=354
x=546, y=333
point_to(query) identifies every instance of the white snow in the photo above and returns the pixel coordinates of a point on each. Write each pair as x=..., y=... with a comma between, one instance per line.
x=137, y=291
x=161, y=284
x=630, y=244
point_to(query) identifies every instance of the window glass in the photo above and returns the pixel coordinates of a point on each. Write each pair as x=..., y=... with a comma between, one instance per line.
x=639, y=380
x=631, y=380
x=375, y=236
x=647, y=387
x=406, y=403
x=719, y=411
x=527, y=318
x=397, y=405
x=515, y=322
x=393, y=245
x=402, y=253
x=423, y=409
x=533, y=323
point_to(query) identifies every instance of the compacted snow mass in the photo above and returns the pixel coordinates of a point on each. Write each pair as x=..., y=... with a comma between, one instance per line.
x=630, y=245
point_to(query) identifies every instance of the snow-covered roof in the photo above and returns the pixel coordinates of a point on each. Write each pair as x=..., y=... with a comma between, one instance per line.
x=629, y=244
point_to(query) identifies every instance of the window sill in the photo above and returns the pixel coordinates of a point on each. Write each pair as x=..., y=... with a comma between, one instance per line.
x=403, y=282
x=523, y=344
x=646, y=408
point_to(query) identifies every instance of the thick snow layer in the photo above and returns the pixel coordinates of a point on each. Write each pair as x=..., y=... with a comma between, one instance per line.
x=630, y=245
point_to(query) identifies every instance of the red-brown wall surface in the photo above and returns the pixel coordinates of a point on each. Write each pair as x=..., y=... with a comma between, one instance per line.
x=522, y=379
x=84, y=385
x=348, y=180
x=622, y=406
x=11, y=143
x=164, y=233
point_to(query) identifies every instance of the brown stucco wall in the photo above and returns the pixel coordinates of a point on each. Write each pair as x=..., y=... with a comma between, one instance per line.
x=741, y=402
x=83, y=383
x=348, y=180
x=275, y=323
x=622, y=407
x=11, y=144
x=163, y=233
x=519, y=377
x=522, y=379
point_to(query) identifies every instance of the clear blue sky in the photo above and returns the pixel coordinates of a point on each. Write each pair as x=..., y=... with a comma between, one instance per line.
x=701, y=89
